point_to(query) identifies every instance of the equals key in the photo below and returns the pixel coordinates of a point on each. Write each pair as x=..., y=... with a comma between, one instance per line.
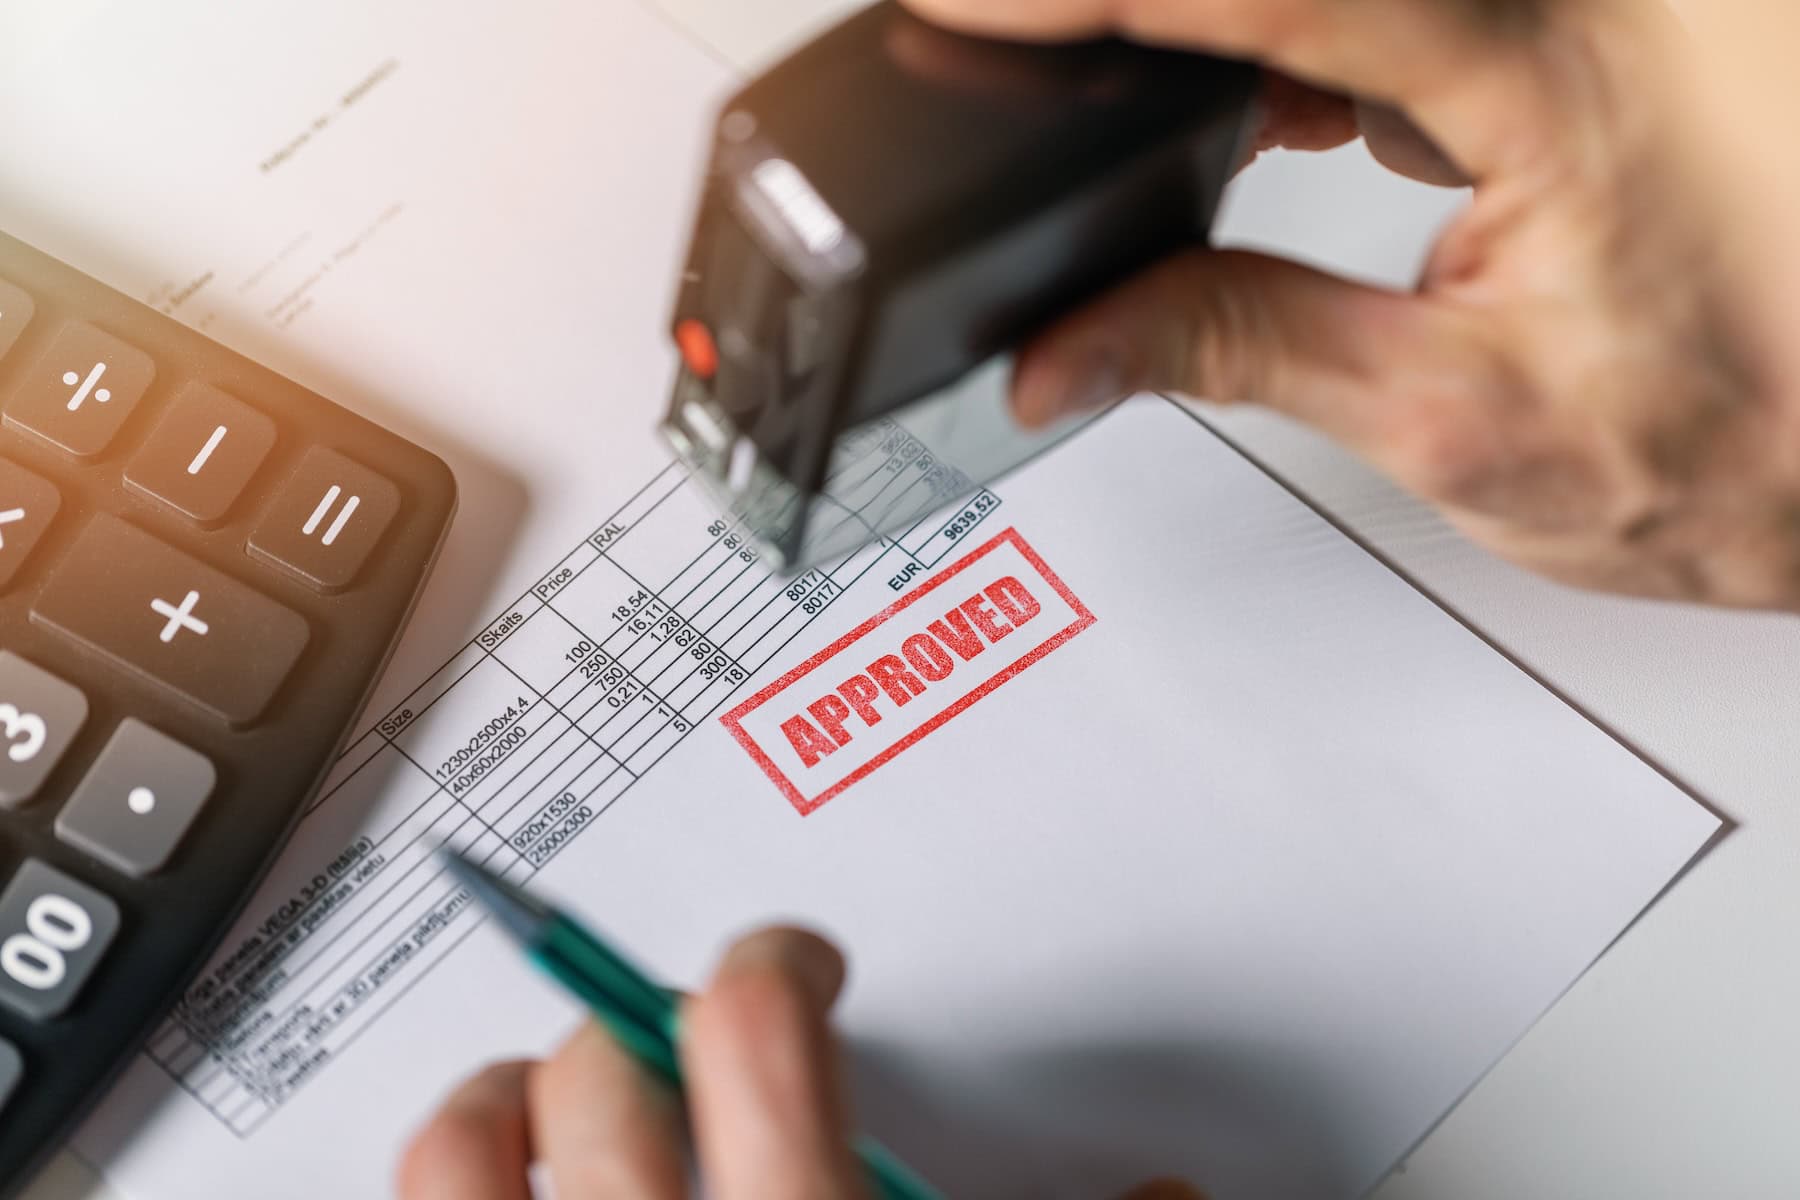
x=325, y=520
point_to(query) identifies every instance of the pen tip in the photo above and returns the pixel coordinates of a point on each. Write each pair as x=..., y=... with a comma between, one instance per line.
x=522, y=914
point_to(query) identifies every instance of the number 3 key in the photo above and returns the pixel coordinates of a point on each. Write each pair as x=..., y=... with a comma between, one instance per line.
x=39, y=717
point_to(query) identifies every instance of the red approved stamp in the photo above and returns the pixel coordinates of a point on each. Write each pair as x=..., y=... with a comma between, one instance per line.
x=883, y=686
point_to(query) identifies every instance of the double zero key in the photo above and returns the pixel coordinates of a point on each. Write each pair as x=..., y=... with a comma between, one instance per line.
x=54, y=930
x=173, y=619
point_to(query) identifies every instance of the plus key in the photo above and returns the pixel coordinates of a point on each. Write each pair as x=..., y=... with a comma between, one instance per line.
x=180, y=617
x=172, y=619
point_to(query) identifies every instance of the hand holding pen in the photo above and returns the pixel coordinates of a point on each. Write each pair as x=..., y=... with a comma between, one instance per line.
x=762, y=1074
x=763, y=1091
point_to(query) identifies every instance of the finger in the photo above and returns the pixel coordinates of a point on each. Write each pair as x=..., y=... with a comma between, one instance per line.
x=477, y=1146
x=604, y=1127
x=1408, y=381
x=1401, y=146
x=764, y=1085
x=1298, y=117
x=1464, y=68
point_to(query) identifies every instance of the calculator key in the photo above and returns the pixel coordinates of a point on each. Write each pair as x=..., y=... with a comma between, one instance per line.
x=27, y=503
x=173, y=619
x=12, y=1069
x=54, y=930
x=138, y=800
x=81, y=390
x=326, y=519
x=39, y=717
x=15, y=314
x=202, y=453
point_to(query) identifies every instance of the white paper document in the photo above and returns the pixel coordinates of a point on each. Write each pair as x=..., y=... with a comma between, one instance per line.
x=1169, y=831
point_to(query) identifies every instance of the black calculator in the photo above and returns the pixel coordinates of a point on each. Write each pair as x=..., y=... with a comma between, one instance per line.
x=203, y=569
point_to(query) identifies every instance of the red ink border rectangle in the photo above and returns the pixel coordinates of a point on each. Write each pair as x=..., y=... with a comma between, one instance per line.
x=733, y=720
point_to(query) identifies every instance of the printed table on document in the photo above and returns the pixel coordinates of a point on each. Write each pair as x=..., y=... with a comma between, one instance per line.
x=510, y=751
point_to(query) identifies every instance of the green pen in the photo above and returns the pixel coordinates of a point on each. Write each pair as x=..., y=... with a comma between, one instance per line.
x=640, y=1015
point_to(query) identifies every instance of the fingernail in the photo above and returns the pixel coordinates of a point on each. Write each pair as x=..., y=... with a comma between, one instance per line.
x=1097, y=377
x=806, y=956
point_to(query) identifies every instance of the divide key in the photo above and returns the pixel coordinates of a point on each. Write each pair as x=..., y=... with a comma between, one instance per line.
x=173, y=619
x=81, y=390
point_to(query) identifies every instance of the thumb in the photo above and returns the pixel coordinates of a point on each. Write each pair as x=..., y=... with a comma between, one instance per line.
x=1363, y=365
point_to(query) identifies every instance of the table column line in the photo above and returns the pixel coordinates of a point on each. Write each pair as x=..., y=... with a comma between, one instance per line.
x=300, y=914
x=703, y=634
x=678, y=712
x=655, y=595
x=556, y=708
x=721, y=702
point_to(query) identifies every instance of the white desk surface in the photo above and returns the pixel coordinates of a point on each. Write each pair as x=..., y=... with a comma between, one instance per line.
x=1667, y=1070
